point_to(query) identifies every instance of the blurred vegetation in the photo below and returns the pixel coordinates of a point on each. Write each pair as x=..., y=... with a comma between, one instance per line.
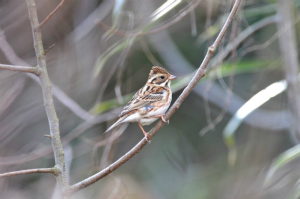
x=103, y=53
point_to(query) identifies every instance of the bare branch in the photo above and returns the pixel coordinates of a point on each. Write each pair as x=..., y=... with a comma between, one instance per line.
x=136, y=149
x=48, y=99
x=52, y=13
x=27, y=69
x=30, y=171
x=289, y=53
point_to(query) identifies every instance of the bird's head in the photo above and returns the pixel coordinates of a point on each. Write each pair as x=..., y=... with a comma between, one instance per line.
x=160, y=76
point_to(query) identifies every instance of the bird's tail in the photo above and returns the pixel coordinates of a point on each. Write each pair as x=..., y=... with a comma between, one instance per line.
x=115, y=124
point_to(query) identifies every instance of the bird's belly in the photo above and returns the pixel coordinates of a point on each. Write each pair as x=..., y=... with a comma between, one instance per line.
x=133, y=117
x=147, y=121
x=162, y=107
x=159, y=111
x=148, y=118
x=145, y=115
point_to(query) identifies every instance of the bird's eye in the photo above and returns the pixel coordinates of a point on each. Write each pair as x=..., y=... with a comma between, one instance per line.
x=162, y=77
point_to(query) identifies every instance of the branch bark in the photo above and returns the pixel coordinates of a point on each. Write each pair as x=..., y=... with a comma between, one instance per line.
x=287, y=42
x=27, y=69
x=30, y=171
x=136, y=149
x=48, y=99
x=52, y=13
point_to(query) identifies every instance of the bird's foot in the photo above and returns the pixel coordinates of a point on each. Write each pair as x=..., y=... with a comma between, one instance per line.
x=147, y=138
x=164, y=120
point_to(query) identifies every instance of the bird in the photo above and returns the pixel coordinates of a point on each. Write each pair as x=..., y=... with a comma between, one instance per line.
x=150, y=102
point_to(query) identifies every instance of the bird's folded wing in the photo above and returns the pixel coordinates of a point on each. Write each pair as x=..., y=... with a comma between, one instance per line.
x=144, y=97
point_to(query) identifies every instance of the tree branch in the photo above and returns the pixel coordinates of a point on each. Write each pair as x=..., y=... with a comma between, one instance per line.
x=29, y=171
x=27, y=69
x=136, y=149
x=48, y=99
x=289, y=53
x=52, y=13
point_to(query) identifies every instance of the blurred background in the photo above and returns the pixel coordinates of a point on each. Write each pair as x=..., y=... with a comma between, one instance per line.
x=234, y=137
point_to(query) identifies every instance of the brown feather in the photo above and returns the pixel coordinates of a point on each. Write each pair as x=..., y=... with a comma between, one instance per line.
x=149, y=98
x=139, y=101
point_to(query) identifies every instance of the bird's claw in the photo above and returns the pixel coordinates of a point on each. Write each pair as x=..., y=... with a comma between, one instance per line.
x=164, y=120
x=148, y=140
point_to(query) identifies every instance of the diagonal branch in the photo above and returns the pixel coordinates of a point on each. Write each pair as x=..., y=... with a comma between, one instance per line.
x=136, y=149
x=29, y=171
x=27, y=69
x=52, y=13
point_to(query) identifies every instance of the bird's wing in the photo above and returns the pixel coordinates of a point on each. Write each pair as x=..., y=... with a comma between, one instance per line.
x=144, y=97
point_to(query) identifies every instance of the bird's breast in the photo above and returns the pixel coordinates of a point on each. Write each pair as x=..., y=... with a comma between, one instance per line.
x=147, y=121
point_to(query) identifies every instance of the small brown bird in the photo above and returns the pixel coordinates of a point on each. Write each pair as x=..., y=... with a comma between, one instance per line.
x=150, y=102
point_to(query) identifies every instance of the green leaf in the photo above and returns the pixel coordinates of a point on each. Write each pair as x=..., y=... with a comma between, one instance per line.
x=251, y=105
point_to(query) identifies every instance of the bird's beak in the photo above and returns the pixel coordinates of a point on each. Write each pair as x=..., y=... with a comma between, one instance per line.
x=172, y=77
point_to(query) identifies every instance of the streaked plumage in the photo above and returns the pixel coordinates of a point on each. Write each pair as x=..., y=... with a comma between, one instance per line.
x=150, y=102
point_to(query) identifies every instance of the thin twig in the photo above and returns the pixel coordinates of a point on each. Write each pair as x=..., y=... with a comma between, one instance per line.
x=219, y=118
x=29, y=171
x=193, y=23
x=27, y=69
x=164, y=26
x=76, y=132
x=148, y=52
x=108, y=141
x=9, y=52
x=209, y=9
x=57, y=92
x=136, y=149
x=49, y=48
x=242, y=37
x=50, y=15
x=11, y=95
x=48, y=99
x=173, y=20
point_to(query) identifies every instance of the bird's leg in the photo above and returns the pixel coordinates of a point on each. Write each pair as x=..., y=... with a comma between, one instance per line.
x=162, y=118
x=146, y=135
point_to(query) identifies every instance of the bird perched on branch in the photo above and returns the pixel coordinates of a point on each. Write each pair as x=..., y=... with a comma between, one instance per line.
x=150, y=102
